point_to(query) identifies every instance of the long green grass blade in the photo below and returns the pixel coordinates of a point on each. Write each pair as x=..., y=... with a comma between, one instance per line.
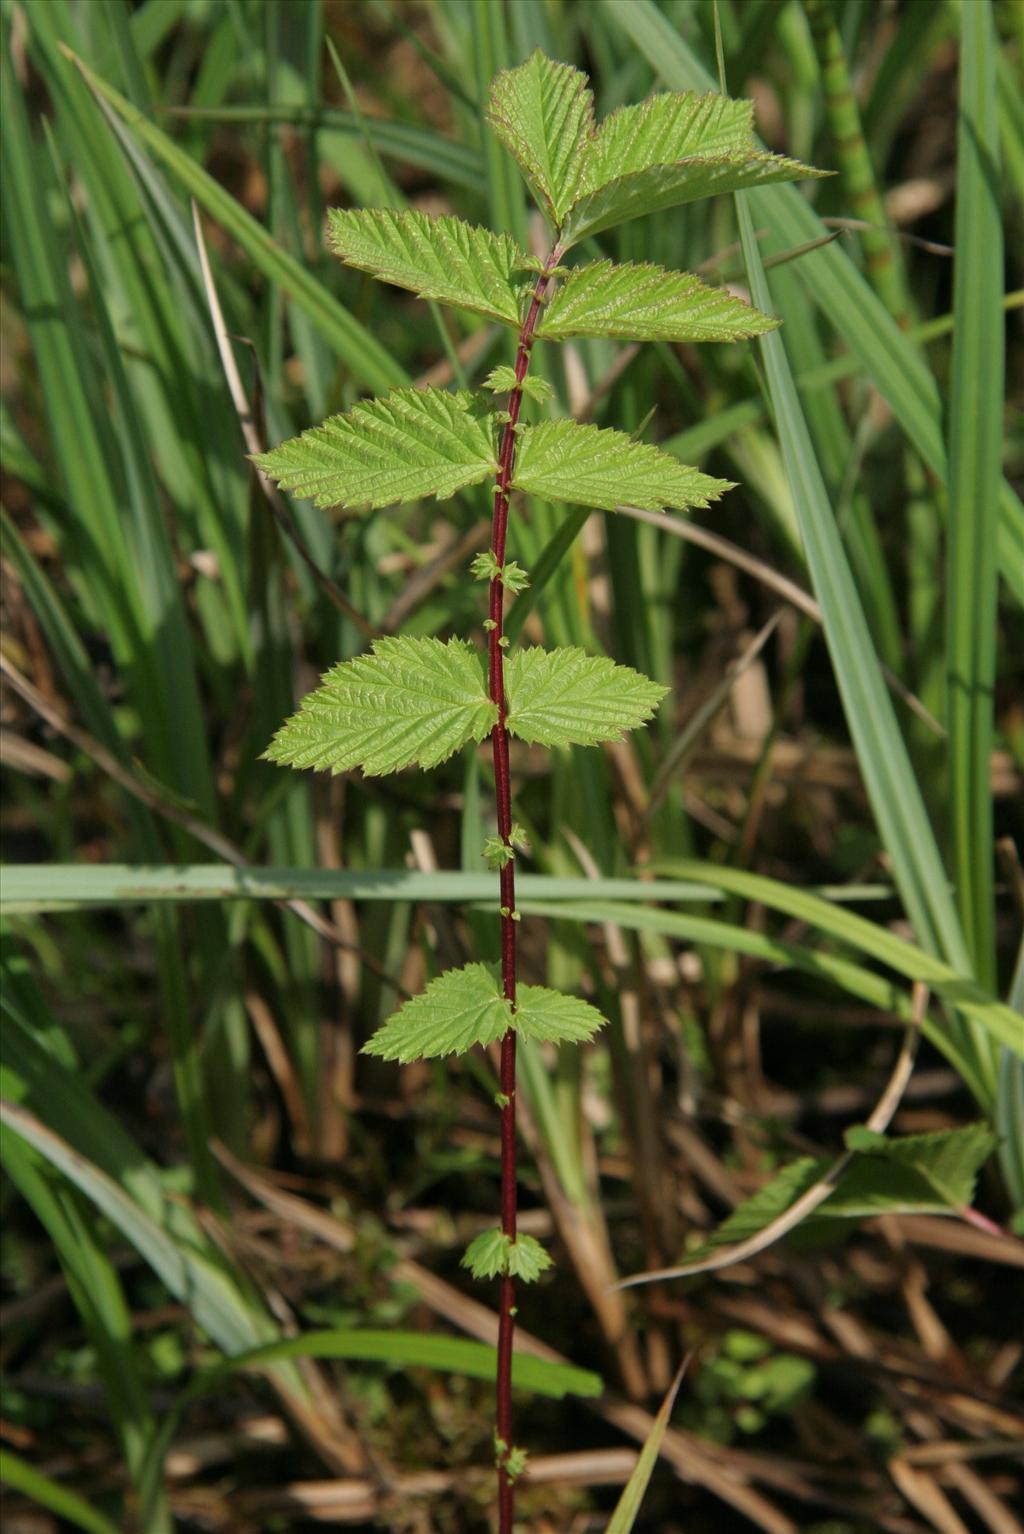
x=627, y=1509
x=56, y=887
x=405, y=1350
x=975, y=448
x=28, y=887
x=21, y=1476
x=987, y=1016
x=889, y=778
x=361, y=352
x=894, y=366
x=410, y=144
x=194, y=1276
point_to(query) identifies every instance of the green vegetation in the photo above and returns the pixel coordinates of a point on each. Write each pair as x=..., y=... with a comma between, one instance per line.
x=235, y=1227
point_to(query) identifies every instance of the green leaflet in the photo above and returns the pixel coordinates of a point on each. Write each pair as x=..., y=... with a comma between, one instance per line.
x=410, y=701
x=492, y=1254
x=460, y=1008
x=466, y=1006
x=590, y=466
x=647, y=303
x=409, y=444
x=543, y=112
x=566, y=697
x=502, y=380
x=670, y=150
x=443, y=258
x=551, y=1018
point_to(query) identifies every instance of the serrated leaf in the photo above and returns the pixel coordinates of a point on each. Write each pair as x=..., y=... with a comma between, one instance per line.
x=408, y=444
x=647, y=303
x=914, y=1172
x=460, y=1008
x=591, y=466
x=486, y=1256
x=502, y=380
x=526, y=1259
x=543, y=112
x=466, y=1006
x=566, y=697
x=672, y=149
x=443, y=258
x=493, y=1254
x=553, y=1018
x=917, y=1174
x=410, y=701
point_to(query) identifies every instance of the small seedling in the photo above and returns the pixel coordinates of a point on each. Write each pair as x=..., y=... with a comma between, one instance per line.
x=415, y=701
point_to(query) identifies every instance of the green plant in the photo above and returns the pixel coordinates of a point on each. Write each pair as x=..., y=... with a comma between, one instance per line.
x=415, y=701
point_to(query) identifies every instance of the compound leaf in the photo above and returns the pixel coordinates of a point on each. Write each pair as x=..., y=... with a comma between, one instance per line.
x=566, y=697
x=503, y=380
x=647, y=303
x=411, y=700
x=466, y=1006
x=493, y=1254
x=543, y=112
x=672, y=149
x=553, y=1018
x=591, y=466
x=408, y=444
x=460, y=1008
x=443, y=258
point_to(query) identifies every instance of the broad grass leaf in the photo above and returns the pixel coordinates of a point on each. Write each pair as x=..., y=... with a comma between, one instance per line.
x=918, y=1174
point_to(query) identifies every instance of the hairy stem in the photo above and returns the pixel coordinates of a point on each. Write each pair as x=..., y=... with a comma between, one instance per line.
x=503, y=791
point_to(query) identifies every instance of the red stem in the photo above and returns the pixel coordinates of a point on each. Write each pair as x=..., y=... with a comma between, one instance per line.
x=503, y=789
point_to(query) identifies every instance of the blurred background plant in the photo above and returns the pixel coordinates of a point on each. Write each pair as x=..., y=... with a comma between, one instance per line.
x=196, y=1168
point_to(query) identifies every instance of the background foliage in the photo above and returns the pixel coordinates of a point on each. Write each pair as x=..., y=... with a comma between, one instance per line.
x=196, y=1166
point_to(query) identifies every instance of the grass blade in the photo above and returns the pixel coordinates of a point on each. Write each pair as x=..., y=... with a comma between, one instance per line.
x=628, y=1506
x=889, y=778
x=362, y=353
x=975, y=458
x=893, y=364
x=21, y=1476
